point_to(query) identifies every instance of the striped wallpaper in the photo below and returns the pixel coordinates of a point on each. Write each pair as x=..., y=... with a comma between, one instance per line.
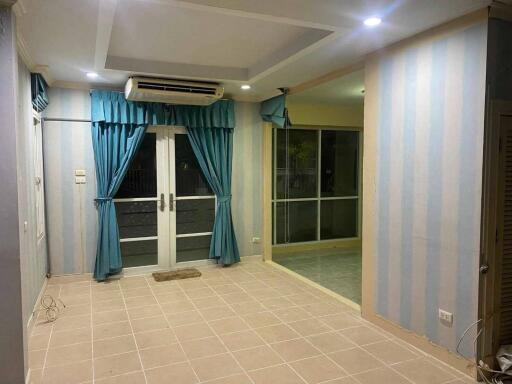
x=430, y=119
x=71, y=213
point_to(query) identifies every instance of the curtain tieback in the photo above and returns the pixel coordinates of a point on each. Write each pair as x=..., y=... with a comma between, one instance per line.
x=98, y=199
x=223, y=199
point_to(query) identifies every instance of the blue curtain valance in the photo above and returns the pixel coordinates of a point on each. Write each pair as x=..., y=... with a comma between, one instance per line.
x=273, y=110
x=112, y=107
x=39, y=96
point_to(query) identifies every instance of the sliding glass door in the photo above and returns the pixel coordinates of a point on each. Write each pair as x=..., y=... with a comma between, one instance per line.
x=165, y=208
x=315, y=185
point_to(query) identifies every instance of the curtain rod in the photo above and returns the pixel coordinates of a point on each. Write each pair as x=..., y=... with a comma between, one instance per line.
x=69, y=120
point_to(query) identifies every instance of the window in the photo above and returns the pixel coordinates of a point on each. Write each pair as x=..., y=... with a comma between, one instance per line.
x=315, y=185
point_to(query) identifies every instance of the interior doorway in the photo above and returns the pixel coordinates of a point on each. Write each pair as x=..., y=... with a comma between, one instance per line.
x=165, y=207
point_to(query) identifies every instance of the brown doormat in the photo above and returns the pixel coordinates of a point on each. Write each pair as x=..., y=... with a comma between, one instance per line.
x=179, y=274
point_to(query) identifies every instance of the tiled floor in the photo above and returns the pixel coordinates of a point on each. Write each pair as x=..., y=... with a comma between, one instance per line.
x=337, y=269
x=247, y=324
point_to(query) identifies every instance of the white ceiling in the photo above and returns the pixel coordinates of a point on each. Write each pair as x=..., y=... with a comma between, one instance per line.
x=266, y=43
x=345, y=90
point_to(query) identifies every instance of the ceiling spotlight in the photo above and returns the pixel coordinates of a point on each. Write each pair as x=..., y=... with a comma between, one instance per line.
x=91, y=75
x=245, y=87
x=372, y=21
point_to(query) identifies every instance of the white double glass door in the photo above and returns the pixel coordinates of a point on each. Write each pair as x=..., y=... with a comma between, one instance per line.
x=165, y=207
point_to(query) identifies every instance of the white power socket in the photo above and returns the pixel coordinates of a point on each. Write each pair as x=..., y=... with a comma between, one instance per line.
x=445, y=317
x=256, y=240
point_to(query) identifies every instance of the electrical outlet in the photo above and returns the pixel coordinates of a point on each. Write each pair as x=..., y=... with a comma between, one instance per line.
x=256, y=240
x=79, y=179
x=445, y=317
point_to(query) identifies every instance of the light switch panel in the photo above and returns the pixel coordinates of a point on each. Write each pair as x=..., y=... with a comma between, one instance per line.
x=79, y=179
x=79, y=172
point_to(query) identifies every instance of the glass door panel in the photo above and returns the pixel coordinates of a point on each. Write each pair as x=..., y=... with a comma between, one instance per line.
x=195, y=204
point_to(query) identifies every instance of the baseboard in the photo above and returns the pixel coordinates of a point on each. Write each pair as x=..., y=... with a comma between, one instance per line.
x=251, y=258
x=30, y=322
x=442, y=354
x=333, y=294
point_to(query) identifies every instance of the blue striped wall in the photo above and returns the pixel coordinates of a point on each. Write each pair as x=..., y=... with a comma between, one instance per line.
x=71, y=214
x=428, y=182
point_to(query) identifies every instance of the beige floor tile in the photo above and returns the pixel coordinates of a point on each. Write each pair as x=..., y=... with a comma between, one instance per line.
x=72, y=322
x=195, y=349
x=143, y=312
x=248, y=307
x=109, y=317
x=69, y=354
x=163, y=355
x=133, y=282
x=323, y=308
x=214, y=367
x=170, y=297
x=381, y=375
x=70, y=374
x=191, y=284
x=242, y=340
x=288, y=315
x=114, y=346
x=228, y=325
x=149, y=324
x=421, y=371
x=106, y=295
x=355, y=360
x=276, y=333
x=261, y=319
x=275, y=303
x=177, y=307
x=208, y=302
x=302, y=299
x=193, y=331
x=108, y=305
x=363, y=335
x=135, y=292
x=330, y=342
x=139, y=301
x=235, y=379
x=251, y=286
x=200, y=293
x=225, y=289
x=390, y=352
x=155, y=338
x=340, y=321
x=281, y=374
x=75, y=310
x=129, y=378
x=217, y=313
x=256, y=358
x=184, y=318
x=76, y=300
x=264, y=293
x=42, y=327
x=73, y=336
x=237, y=297
x=295, y=349
x=36, y=358
x=180, y=373
x=317, y=369
x=116, y=365
x=349, y=380
x=108, y=330
x=309, y=327
x=38, y=341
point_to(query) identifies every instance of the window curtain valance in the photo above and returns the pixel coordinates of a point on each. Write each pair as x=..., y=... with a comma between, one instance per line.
x=273, y=110
x=39, y=95
x=112, y=107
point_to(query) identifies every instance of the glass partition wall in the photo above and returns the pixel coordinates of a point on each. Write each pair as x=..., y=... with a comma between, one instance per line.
x=316, y=185
x=316, y=206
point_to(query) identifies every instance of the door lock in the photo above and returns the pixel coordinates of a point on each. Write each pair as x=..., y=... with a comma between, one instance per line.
x=484, y=268
x=171, y=202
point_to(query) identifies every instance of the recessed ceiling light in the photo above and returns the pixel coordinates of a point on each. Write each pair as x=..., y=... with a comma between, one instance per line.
x=92, y=75
x=372, y=21
x=245, y=87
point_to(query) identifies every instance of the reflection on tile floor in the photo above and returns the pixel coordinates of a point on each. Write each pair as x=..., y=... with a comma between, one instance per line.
x=247, y=324
x=338, y=269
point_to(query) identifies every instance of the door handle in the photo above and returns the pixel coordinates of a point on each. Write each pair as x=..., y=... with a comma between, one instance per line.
x=171, y=202
x=162, y=202
x=484, y=268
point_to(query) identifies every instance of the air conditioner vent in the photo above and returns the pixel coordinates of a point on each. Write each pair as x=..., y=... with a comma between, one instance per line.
x=172, y=91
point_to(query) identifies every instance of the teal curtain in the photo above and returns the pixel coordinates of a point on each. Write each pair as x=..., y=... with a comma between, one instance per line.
x=118, y=127
x=114, y=147
x=39, y=95
x=273, y=110
x=214, y=152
